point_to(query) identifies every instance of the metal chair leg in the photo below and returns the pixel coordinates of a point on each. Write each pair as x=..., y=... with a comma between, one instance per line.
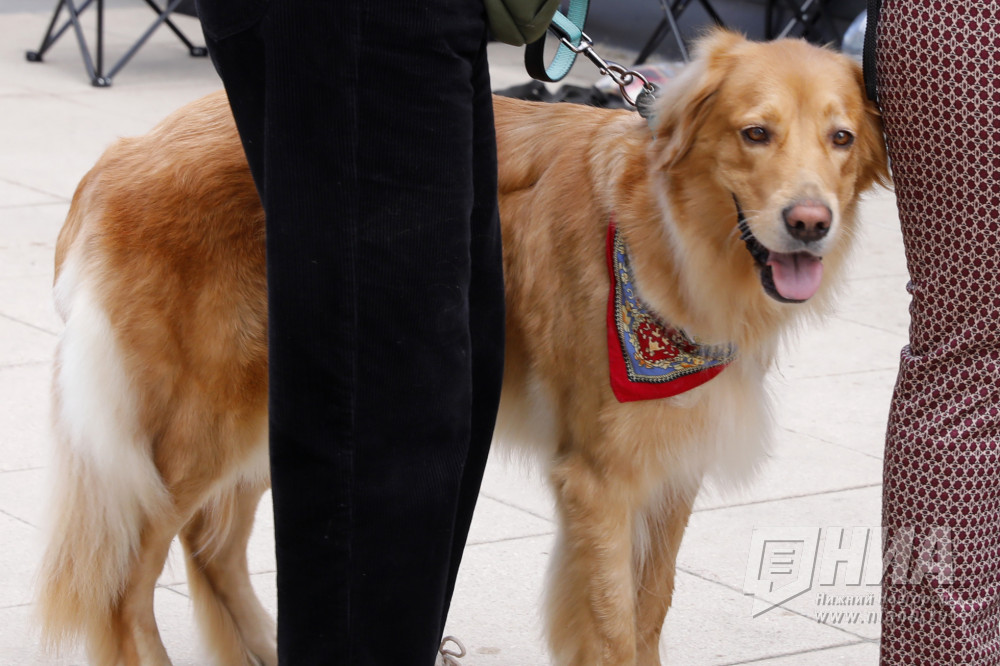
x=805, y=15
x=668, y=24
x=51, y=38
x=96, y=72
x=196, y=51
x=161, y=18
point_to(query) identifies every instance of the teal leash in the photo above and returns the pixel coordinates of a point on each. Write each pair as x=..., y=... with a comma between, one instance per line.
x=568, y=28
x=573, y=41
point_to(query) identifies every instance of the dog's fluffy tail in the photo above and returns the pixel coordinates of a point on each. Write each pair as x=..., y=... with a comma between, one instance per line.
x=105, y=486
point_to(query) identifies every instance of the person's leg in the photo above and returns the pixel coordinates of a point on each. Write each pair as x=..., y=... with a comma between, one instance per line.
x=938, y=88
x=486, y=312
x=234, y=37
x=368, y=177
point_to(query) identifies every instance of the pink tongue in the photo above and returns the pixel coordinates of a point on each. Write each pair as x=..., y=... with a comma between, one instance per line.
x=796, y=276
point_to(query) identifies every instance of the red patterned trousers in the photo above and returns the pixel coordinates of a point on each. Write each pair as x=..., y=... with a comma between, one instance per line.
x=938, y=65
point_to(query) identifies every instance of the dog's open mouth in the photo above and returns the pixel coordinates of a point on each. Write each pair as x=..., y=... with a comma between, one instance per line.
x=789, y=277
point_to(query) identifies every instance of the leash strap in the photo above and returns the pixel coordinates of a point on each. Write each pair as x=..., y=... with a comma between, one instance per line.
x=868, y=57
x=573, y=42
x=568, y=28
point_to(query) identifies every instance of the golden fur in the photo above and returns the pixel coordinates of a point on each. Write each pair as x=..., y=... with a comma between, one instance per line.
x=160, y=381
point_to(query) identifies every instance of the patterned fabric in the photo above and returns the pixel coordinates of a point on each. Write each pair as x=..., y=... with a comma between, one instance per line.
x=649, y=358
x=939, y=86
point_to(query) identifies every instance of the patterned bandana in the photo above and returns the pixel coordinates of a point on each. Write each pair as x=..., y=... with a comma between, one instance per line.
x=650, y=359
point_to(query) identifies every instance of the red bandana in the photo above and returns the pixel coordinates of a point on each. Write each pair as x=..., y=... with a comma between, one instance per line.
x=649, y=358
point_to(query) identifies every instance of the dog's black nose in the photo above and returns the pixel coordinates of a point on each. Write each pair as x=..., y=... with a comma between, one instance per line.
x=807, y=222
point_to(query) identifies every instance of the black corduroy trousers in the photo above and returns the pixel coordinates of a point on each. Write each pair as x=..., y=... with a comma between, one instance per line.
x=368, y=126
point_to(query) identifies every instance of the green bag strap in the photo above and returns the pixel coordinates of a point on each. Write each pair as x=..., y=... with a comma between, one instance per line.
x=569, y=29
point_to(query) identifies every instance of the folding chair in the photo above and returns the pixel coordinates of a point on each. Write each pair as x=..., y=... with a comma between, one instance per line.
x=98, y=77
x=672, y=10
x=810, y=19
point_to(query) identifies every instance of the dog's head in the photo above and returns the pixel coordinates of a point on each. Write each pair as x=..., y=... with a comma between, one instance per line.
x=766, y=148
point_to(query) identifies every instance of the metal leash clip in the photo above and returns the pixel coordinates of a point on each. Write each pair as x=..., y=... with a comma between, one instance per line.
x=621, y=75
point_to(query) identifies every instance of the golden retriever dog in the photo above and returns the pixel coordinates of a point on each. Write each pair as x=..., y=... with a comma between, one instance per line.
x=733, y=213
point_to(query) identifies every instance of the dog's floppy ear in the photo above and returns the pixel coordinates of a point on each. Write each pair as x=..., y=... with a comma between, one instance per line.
x=686, y=101
x=871, y=140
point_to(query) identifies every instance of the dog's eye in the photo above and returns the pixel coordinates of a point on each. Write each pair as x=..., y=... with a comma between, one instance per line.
x=756, y=134
x=843, y=138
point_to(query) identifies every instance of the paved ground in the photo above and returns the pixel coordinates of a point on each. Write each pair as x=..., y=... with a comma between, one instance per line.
x=832, y=389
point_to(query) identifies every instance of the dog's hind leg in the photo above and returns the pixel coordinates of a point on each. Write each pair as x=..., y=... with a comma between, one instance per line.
x=133, y=622
x=234, y=624
x=655, y=574
x=591, y=607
